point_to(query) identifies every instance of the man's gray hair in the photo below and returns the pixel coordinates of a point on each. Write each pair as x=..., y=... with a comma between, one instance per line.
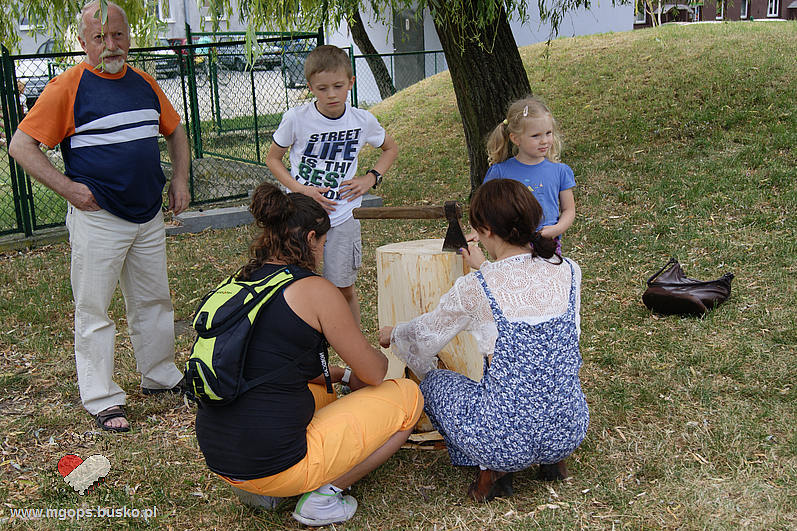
x=93, y=7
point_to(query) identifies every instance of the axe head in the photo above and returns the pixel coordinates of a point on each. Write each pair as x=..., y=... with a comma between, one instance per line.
x=455, y=238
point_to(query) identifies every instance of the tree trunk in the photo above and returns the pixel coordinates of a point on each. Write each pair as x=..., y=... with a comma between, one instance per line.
x=377, y=66
x=485, y=80
x=411, y=277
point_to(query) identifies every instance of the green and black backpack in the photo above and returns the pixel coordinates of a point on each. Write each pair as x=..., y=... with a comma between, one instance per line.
x=224, y=322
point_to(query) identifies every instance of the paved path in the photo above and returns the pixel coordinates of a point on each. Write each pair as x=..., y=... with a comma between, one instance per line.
x=236, y=96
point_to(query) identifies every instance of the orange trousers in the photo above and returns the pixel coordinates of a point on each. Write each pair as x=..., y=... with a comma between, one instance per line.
x=343, y=433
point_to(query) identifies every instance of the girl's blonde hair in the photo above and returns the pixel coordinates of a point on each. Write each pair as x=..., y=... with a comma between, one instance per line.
x=499, y=145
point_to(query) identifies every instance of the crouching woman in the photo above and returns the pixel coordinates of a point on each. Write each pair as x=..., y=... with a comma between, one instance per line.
x=290, y=436
x=523, y=310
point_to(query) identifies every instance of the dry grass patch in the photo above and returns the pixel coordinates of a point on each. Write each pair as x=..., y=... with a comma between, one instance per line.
x=682, y=141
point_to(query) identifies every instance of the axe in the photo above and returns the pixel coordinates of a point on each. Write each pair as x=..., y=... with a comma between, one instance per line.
x=452, y=211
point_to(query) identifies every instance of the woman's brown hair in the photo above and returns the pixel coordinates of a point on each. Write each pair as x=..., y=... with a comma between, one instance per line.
x=286, y=220
x=511, y=212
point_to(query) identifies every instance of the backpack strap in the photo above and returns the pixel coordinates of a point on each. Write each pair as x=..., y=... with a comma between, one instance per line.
x=323, y=352
x=323, y=355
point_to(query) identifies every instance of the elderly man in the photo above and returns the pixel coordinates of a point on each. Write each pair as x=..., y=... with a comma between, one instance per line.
x=107, y=117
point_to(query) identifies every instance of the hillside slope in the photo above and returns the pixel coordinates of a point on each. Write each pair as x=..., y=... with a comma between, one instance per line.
x=683, y=140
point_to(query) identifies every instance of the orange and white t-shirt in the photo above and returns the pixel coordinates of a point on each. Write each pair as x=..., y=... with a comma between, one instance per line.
x=108, y=127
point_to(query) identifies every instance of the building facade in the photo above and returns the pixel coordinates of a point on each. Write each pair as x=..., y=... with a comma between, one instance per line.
x=749, y=10
x=717, y=10
x=408, y=31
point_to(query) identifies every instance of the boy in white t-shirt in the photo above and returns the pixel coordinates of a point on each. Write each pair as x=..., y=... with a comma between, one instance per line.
x=325, y=137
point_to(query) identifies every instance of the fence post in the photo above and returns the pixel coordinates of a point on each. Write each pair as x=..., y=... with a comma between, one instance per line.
x=20, y=189
x=320, y=38
x=284, y=74
x=214, y=87
x=196, y=127
x=354, y=99
x=254, y=114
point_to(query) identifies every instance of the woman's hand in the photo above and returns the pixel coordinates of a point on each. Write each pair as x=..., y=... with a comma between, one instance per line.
x=473, y=255
x=384, y=336
x=549, y=231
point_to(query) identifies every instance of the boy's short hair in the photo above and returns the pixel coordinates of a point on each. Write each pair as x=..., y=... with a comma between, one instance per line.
x=327, y=58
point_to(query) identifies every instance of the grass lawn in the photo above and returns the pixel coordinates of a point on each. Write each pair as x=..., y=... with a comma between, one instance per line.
x=682, y=140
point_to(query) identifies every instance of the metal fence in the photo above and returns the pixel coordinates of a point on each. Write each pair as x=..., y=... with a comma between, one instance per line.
x=404, y=69
x=230, y=110
x=25, y=205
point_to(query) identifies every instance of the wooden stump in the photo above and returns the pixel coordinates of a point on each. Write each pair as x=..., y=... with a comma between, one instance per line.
x=411, y=278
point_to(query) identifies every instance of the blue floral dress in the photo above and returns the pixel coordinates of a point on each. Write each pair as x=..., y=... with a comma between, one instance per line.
x=528, y=407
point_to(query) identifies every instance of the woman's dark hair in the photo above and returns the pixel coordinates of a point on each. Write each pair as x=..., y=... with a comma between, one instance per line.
x=286, y=221
x=509, y=209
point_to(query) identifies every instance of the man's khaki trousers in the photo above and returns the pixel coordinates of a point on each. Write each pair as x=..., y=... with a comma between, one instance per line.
x=107, y=250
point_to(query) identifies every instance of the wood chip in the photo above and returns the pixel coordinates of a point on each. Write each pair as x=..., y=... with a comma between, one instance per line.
x=428, y=436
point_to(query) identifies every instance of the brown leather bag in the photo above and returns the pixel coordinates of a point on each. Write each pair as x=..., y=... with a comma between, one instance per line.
x=671, y=292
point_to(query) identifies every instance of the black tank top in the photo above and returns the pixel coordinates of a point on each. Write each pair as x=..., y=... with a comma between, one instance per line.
x=262, y=433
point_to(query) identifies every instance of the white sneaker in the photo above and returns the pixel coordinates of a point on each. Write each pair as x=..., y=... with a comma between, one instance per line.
x=316, y=509
x=257, y=500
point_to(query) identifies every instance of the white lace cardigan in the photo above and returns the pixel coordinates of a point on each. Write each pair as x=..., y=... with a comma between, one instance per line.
x=526, y=289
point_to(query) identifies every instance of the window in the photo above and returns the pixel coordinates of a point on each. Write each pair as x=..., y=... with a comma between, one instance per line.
x=772, y=8
x=46, y=47
x=721, y=10
x=744, y=9
x=697, y=16
x=205, y=11
x=165, y=11
x=639, y=16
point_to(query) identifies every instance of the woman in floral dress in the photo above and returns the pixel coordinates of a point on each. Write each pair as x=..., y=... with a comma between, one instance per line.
x=523, y=310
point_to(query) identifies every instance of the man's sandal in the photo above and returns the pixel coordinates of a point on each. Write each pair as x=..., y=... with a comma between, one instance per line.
x=113, y=412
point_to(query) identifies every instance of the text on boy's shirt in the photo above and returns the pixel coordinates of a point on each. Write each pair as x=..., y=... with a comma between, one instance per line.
x=351, y=134
x=327, y=157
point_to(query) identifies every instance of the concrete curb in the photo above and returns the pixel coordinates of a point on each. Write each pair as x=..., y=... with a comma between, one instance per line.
x=190, y=222
x=43, y=237
x=215, y=218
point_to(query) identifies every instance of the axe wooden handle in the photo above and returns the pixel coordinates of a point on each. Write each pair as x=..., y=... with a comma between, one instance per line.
x=402, y=212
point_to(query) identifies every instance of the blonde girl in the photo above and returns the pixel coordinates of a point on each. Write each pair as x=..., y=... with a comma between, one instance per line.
x=526, y=147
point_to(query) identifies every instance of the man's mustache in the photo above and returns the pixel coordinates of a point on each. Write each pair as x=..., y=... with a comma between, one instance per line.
x=106, y=54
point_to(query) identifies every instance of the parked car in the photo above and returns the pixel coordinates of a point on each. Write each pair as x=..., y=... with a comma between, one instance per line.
x=233, y=56
x=167, y=61
x=174, y=42
x=293, y=56
x=36, y=72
